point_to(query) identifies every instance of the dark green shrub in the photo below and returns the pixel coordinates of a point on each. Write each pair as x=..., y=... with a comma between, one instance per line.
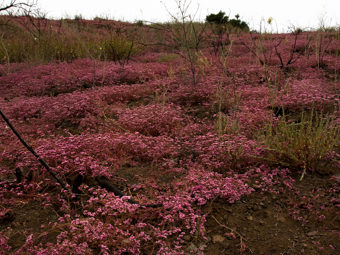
x=219, y=18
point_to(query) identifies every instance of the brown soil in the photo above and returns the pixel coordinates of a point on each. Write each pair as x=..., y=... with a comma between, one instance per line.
x=261, y=222
x=28, y=218
x=266, y=226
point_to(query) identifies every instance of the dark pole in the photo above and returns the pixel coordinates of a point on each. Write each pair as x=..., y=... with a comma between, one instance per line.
x=54, y=174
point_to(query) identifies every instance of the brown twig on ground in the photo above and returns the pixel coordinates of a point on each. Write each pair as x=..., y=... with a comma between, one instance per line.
x=42, y=162
x=233, y=231
x=102, y=181
x=105, y=183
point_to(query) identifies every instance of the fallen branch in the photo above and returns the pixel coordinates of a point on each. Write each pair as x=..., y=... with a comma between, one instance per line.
x=105, y=183
x=55, y=176
x=18, y=174
x=102, y=181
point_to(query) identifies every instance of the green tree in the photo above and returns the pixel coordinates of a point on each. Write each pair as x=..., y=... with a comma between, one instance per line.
x=219, y=18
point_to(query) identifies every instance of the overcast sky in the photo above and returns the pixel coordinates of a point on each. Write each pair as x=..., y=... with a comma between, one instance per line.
x=301, y=13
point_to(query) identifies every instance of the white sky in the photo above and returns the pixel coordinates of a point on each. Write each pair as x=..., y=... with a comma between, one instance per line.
x=301, y=13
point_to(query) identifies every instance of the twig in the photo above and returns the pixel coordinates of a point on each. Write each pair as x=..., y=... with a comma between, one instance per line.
x=55, y=176
x=234, y=231
x=105, y=183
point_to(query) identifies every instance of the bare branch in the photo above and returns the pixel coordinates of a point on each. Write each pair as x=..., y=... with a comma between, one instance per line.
x=17, y=6
x=42, y=162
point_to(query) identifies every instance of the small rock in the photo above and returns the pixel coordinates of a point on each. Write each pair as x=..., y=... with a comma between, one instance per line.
x=229, y=211
x=312, y=233
x=250, y=217
x=281, y=219
x=218, y=239
x=126, y=241
x=261, y=222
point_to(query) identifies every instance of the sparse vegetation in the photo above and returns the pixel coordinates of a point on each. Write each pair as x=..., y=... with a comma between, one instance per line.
x=306, y=144
x=64, y=40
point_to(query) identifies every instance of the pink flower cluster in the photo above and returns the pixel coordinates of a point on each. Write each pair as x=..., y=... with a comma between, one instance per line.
x=309, y=93
x=152, y=119
x=97, y=154
x=57, y=78
x=3, y=244
x=226, y=153
x=204, y=186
